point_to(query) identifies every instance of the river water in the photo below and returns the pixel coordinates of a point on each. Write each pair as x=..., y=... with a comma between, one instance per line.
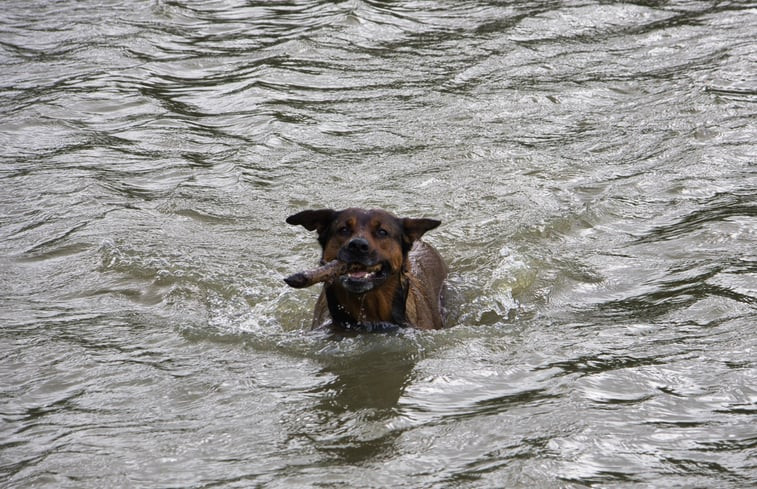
x=593, y=163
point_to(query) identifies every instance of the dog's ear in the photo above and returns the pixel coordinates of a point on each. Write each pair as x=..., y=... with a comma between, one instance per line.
x=415, y=228
x=313, y=220
x=318, y=220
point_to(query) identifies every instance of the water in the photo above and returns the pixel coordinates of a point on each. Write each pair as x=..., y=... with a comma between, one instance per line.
x=593, y=164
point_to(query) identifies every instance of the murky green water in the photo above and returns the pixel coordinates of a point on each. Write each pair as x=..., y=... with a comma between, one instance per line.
x=594, y=167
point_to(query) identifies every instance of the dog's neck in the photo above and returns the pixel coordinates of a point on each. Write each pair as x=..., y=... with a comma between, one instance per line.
x=384, y=305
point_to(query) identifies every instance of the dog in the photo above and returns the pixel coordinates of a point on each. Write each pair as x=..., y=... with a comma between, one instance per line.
x=389, y=278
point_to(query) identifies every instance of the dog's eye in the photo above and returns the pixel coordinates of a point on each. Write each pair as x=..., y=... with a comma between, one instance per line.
x=382, y=233
x=344, y=230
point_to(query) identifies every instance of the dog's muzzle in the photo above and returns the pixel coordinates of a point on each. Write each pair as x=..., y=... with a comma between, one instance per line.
x=365, y=271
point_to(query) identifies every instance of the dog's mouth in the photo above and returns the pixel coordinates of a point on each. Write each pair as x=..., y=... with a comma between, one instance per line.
x=361, y=278
x=359, y=271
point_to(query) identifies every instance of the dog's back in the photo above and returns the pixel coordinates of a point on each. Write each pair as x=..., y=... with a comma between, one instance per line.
x=427, y=294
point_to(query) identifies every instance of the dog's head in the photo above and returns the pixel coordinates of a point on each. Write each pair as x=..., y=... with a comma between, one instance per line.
x=373, y=242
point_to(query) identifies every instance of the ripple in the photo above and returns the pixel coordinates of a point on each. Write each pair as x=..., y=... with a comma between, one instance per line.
x=484, y=392
x=588, y=22
x=721, y=208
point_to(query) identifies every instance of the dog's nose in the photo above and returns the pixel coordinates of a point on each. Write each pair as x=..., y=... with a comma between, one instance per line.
x=359, y=245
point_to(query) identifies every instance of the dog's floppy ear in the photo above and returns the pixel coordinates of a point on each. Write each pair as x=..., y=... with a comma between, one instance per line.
x=313, y=220
x=415, y=228
x=318, y=220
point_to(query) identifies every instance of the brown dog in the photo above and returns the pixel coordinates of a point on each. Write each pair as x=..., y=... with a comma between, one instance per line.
x=384, y=276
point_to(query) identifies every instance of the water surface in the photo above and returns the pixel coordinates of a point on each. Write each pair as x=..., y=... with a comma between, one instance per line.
x=593, y=164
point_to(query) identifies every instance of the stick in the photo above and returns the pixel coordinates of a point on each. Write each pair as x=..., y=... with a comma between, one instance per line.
x=324, y=273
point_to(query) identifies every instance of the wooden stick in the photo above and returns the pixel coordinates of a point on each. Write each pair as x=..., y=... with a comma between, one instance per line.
x=324, y=273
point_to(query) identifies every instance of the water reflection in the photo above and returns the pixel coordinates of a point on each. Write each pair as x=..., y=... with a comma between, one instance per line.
x=351, y=420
